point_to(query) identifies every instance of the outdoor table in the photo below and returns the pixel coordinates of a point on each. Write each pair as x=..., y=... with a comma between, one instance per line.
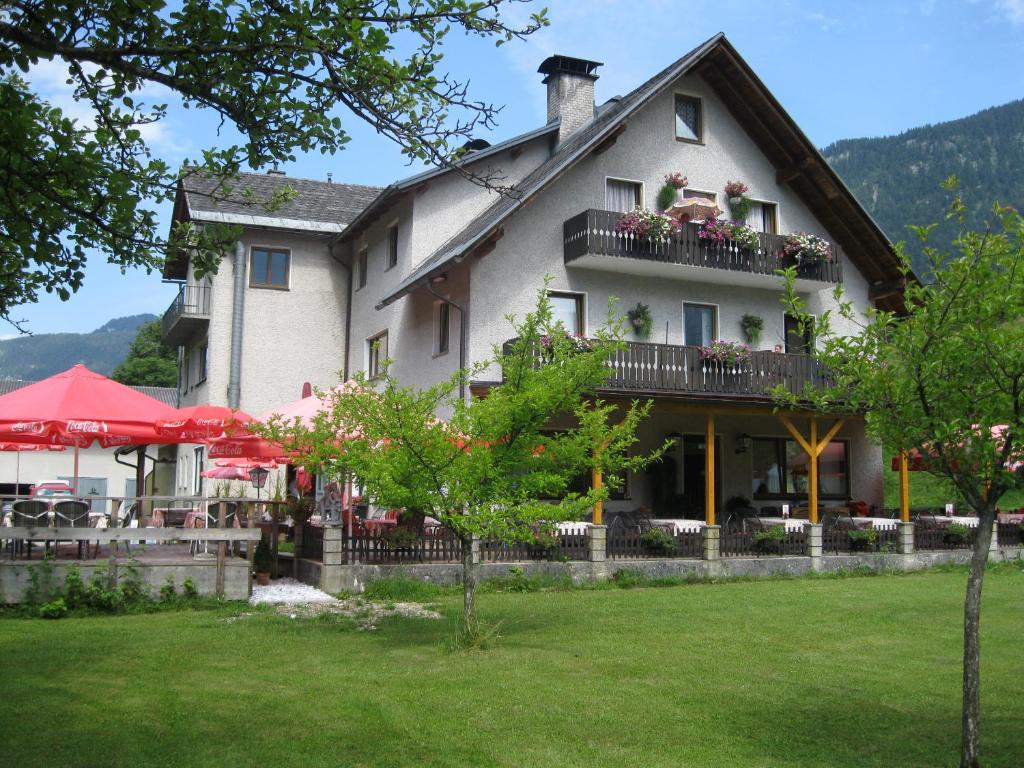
x=970, y=522
x=572, y=526
x=375, y=523
x=680, y=526
x=878, y=523
x=792, y=524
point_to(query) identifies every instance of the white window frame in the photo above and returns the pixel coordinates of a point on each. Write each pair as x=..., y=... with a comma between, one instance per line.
x=643, y=189
x=716, y=331
x=197, y=470
x=442, y=308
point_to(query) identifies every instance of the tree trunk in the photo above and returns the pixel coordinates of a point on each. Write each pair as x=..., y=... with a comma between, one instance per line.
x=972, y=647
x=468, y=583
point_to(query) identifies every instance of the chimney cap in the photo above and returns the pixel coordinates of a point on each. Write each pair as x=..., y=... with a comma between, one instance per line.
x=568, y=65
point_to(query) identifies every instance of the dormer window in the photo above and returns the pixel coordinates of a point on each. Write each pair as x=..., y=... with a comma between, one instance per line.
x=689, y=119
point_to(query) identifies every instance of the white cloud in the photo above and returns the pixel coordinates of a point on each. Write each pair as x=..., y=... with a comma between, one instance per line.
x=824, y=22
x=1011, y=10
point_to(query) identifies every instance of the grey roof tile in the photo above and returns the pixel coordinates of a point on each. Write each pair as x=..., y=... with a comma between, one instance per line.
x=166, y=395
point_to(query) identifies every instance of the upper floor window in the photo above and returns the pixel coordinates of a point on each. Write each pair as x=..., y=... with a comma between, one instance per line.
x=567, y=308
x=269, y=267
x=392, y=247
x=798, y=342
x=622, y=196
x=763, y=217
x=376, y=354
x=700, y=324
x=442, y=327
x=361, y=264
x=689, y=120
x=204, y=354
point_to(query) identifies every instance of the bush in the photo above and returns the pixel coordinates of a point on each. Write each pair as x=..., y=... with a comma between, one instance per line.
x=56, y=609
x=627, y=578
x=188, y=589
x=658, y=542
x=74, y=589
x=263, y=558
x=863, y=538
x=168, y=594
x=133, y=590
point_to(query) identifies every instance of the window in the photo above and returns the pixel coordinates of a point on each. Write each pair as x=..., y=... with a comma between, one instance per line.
x=567, y=308
x=688, y=118
x=442, y=327
x=268, y=268
x=798, y=343
x=186, y=364
x=376, y=354
x=781, y=469
x=392, y=247
x=622, y=196
x=700, y=324
x=361, y=265
x=204, y=353
x=763, y=217
x=197, y=472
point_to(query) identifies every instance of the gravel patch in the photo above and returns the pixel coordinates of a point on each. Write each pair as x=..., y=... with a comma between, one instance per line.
x=289, y=592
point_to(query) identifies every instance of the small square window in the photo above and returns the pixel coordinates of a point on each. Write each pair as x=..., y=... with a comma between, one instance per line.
x=688, y=118
x=392, y=247
x=361, y=268
x=700, y=324
x=622, y=196
x=567, y=308
x=442, y=327
x=376, y=354
x=268, y=268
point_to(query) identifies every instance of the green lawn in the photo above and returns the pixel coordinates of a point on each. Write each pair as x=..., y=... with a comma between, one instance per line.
x=809, y=672
x=927, y=490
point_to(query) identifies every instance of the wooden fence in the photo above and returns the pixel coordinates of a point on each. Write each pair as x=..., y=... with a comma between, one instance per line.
x=628, y=543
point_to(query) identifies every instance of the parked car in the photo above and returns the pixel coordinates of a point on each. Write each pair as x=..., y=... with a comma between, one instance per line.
x=52, y=488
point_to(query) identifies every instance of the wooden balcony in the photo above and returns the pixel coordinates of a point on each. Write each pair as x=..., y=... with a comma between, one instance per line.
x=681, y=372
x=188, y=315
x=590, y=240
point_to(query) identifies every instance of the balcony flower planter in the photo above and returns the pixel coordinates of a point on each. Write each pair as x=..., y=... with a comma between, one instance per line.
x=727, y=357
x=647, y=226
x=803, y=250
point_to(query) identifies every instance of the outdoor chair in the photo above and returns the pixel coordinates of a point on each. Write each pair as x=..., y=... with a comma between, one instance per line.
x=212, y=520
x=71, y=514
x=175, y=514
x=835, y=519
x=29, y=513
x=122, y=520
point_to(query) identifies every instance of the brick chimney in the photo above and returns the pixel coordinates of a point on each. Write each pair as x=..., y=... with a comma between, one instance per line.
x=570, y=85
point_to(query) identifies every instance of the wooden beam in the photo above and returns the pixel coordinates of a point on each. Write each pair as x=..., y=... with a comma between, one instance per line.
x=490, y=243
x=887, y=289
x=812, y=473
x=796, y=434
x=823, y=443
x=787, y=174
x=709, y=469
x=904, y=488
x=607, y=144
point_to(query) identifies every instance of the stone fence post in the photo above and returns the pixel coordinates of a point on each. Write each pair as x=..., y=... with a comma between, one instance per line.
x=906, y=540
x=597, y=543
x=712, y=542
x=994, y=544
x=334, y=556
x=812, y=532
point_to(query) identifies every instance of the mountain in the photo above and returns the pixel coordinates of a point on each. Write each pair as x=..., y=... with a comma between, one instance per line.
x=897, y=177
x=42, y=355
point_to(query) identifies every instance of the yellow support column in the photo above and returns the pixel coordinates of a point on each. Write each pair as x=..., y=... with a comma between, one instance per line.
x=709, y=469
x=904, y=488
x=597, y=482
x=812, y=472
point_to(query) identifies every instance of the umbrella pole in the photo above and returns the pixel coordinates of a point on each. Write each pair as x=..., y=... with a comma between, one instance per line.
x=17, y=474
x=76, y=470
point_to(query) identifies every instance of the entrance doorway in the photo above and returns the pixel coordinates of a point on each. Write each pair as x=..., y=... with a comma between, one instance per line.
x=693, y=475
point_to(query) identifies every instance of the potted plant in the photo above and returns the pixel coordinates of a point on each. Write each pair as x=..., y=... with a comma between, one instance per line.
x=669, y=192
x=719, y=231
x=640, y=318
x=658, y=542
x=802, y=248
x=752, y=326
x=647, y=225
x=262, y=562
x=730, y=356
x=739, y=203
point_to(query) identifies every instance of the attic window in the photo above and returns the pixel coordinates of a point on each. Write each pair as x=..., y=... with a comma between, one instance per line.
x=268, y=268
x=689, y=122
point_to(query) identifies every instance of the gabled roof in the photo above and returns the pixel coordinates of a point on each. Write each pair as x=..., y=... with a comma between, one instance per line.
x=392, y=192
x=796, y=159
x=318, y=206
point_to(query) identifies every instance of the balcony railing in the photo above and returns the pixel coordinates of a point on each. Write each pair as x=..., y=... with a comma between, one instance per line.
x=592, y=233
x=189, y=311
x=681, y=370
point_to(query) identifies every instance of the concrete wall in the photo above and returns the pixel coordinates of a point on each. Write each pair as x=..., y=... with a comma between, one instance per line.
x=507, y=280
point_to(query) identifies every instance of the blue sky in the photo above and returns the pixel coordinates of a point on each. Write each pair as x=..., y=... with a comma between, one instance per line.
x=841, y=69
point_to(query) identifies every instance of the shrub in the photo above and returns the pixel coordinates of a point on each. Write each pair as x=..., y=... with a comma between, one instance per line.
x=56, y=609
x=627, y=578
x=188, y=589
x=263, y=558
x=863, y=538
x=168, y=594
x=132, y=590
x=658, y=541
x=956, y=533
x=74, y=588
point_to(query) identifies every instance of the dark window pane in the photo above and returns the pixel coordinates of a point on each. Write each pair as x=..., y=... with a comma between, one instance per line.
x=687, y=118
x=258, y=272
x=362, y=268
x=767, y=476
x=392, y=247
x=798, y=343
x=699, y=324
x=443, y=328
x=279, y=268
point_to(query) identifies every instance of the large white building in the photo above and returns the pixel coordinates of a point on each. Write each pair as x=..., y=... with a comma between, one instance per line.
x=425, y=270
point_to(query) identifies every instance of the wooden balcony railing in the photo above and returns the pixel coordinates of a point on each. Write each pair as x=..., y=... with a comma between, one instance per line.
x=672, y=369
x=592, y=232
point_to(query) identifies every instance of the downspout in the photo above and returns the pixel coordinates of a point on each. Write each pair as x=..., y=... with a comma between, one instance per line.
x=462, y=338
x=237, y=317
x=348, y=307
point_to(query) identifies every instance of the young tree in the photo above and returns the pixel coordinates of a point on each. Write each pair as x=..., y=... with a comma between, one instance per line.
x=149, y=363
x=945, y=379
x=485, y=471
x=287, y=76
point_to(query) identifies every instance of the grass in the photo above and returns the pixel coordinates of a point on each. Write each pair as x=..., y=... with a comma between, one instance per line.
x=801, y=672
x=927, y=490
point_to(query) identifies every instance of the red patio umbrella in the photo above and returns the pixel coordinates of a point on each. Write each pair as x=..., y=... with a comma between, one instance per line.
x=19, y=447
x=226, y=473
x=78, y=407
x=202, y=422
